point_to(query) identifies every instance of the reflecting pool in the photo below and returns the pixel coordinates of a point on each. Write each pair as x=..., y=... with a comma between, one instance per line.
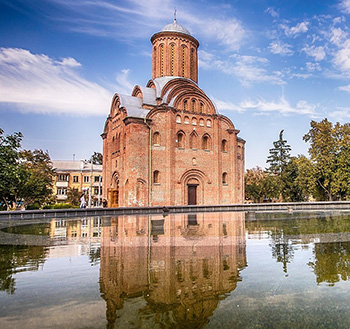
x=205, y=270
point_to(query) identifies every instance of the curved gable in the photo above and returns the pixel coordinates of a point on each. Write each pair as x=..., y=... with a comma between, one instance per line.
x=184, y=94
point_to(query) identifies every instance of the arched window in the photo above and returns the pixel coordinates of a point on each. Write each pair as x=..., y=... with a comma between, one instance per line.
x=156, y=177
x=161, y=60
x=206, y=143
x=194, y=121
x=194, y=162
x=178, y=119
x=172, y=58
x=183, y=62
x=208, y=123
x=192, y=63
x=156, y=138
x=224, y=178
x=193, y=105
x=201, y=107
x=185, y=105
x=201, y=122
x=117, y=142
x=187, y=120
x=224, y=145
x=180, y=139
x=193, y=140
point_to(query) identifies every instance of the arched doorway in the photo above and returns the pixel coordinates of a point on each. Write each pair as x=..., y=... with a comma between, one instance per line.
x=113, y=192
x=192, y=186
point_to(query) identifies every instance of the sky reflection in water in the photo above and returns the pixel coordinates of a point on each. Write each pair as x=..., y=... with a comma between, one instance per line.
x=227, y=270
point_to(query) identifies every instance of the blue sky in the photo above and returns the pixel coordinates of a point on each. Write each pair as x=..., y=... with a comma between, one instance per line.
x=267, y=65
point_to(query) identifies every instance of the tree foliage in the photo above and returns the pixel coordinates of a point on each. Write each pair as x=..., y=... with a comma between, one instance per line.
x=279, y=155
x=330, y=156
x=96, y=158
x=26, y=176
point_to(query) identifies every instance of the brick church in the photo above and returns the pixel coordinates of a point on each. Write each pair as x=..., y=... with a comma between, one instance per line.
x=166, y=144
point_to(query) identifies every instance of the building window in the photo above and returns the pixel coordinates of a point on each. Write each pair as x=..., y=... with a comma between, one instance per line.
x=172, y=59
x=86, y=179
x=161, y=60
x=206, y=143
x=96, y=190
x=178, y=119
x=185, y=105
x=156, y=138
x=187, y=120
x=194, y=121
x=208, y=123
x=180, y=140
x=224, y=178
x=201, y=108
x=75, y=179
x=193, y=105
x=192, y=63
x=224, y=145
x=183, y=61
x=201, y=122
x=63, y=178
x=61, y=191
x=194, y=162
x=156, y=177
x=98, y=179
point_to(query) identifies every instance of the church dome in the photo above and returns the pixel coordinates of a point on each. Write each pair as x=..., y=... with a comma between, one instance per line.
x=175, y=27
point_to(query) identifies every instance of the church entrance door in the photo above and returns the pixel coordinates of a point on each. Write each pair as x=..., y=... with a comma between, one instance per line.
x=113, y=197
x=192, y=194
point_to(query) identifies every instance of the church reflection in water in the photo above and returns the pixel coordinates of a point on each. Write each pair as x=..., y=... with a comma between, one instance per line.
x=181, y=266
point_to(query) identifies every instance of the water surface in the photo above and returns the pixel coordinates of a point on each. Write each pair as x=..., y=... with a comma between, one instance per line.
x=211, y=270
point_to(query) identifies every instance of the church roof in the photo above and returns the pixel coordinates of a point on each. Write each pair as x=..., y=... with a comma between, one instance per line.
x=175, y=27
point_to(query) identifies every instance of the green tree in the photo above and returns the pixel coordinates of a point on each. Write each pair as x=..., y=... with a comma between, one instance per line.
x=73, y=196
x=260, y=185
x=279, y=155
x=96, y=158
x=11, y=173
x=329, y=153
x=39, y=173
x=254, y=184
x=25, y=176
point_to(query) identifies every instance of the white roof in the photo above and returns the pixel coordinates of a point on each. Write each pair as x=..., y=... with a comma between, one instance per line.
x=78, y=165
x=175, y=27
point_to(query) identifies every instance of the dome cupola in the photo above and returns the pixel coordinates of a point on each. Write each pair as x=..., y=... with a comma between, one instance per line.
x=174, y=53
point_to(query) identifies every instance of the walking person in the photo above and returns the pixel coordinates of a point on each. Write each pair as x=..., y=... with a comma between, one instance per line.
x=82, y=201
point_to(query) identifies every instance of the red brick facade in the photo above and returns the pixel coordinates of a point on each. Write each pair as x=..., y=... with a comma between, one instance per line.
x=166, y=144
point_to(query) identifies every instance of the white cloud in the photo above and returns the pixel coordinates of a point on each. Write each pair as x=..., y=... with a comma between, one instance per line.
x=228, y=33
x=295, y=30
x=134, y=19
x=312, y=67
x=342, y=57
x=262, y=106
x=316, y=52
x=281, y=106
x=247, y=69
x=272, y=12
x=38, y=83
x=338, y=36
x=281, y=48
x=227, y=106
x=345, y=6
x=124, y=85
x=342, y=113
x=345, y=88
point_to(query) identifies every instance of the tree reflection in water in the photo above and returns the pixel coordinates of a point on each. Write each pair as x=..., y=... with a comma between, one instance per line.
x=15, y=259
